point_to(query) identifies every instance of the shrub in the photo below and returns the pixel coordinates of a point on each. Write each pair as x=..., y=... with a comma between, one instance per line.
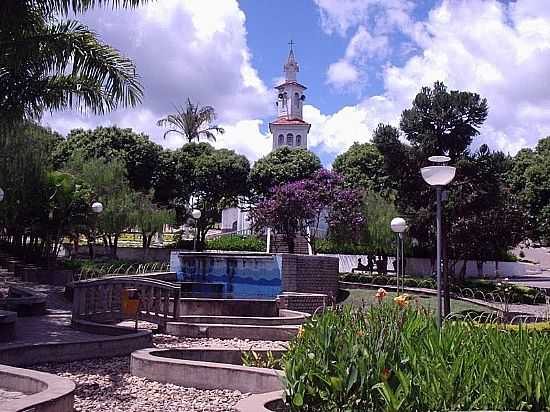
x=390, y=358
x=237, y=243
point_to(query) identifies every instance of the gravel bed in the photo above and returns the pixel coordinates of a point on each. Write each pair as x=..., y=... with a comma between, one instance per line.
x=105, y=385
x=170, y=341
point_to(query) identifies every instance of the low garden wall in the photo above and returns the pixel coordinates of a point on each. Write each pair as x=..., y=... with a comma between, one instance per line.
x=46, y=392
x=424, y=266
x=204, y=368
x=118, y=341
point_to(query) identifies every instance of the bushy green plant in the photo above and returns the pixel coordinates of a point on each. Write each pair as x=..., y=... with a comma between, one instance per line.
x=394, y=358
x=261, y=360
x=237, y=243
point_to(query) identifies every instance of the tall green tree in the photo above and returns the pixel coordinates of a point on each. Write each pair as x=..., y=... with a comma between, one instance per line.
x=139, y=154
x=192, y=122
x=362, y=167
x=107, y=179
x=219, y=179
x=283, y=165
x=530, y=180
x=150, y=219
x=443, y=122
x=47, y=63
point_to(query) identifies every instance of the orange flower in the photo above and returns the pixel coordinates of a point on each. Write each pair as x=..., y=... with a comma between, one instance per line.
x=401, y=300
x=380, y=294
x=385, y=374
x=300, y=331
x=360, y=333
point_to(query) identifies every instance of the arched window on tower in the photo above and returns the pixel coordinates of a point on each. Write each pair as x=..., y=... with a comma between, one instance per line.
x=281, y=140
x=289, y=139
x=298, y=140
x=296, y=99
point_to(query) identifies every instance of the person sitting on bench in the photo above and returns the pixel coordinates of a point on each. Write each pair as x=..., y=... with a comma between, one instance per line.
x=360, y=267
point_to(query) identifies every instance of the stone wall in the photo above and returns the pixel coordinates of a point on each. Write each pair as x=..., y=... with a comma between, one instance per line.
x=310, y=274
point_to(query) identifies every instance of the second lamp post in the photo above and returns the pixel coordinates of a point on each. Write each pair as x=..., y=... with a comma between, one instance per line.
x=438, y=176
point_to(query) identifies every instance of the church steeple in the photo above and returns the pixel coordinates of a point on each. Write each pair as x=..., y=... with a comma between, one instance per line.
x=289, y=129
x=291, y=66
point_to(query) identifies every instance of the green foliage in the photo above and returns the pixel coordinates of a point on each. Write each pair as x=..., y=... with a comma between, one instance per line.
x=219, y=178
x=333, y=247
x=283, y=165
x=530, y=179
x=377, y=234
x=362, y=167
x=48, y=63
x=388, y=358
x=140, y=156
x=261, y=360
x=149, y=218
x=192, y=122
x=237, y=243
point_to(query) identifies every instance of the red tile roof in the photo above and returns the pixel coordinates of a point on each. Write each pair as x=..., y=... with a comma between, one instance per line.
x=284, y=120
x=290, y=82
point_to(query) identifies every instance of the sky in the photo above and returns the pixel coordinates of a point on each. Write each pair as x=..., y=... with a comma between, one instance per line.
x=363, y=61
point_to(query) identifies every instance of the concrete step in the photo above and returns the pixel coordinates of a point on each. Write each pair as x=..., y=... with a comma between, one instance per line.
x=229, y=331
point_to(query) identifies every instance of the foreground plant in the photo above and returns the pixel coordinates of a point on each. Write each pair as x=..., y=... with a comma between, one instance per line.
x=392, y=357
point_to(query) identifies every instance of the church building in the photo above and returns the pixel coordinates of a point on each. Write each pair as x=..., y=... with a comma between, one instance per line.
x=288, y=129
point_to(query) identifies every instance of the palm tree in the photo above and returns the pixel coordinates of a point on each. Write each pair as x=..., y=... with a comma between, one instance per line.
x=47, y=63
x=192, y=121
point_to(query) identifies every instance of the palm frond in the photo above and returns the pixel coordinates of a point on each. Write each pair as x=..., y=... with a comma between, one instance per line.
x=73, y=52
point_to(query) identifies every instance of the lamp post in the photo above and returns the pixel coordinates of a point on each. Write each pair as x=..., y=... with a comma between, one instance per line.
x=97, y=208
x=398, y=226
x=438, y=176
x=196, y=213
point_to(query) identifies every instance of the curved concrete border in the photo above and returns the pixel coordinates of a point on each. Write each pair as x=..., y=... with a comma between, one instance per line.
x=286, y=317
x=121, y=341
x=228, y=331
x=201, y=374
x=48, y=393
x=259, y=402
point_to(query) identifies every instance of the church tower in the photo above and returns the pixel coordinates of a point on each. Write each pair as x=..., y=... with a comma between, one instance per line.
x=289, y=129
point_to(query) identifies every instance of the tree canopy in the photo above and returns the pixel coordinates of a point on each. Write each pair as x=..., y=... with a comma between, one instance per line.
x=283, y=165
x=362, y=167
x=140, y=156
x=192, y=122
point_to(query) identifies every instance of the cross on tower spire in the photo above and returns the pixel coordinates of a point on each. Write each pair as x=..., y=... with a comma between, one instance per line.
x=291, y=43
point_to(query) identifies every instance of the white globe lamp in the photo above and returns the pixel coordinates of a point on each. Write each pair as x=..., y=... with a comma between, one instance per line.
x=196, y=213
x=398, y=225
x=97, y=207
x=2, y=194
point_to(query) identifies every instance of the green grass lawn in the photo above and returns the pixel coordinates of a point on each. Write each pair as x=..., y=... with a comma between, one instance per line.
x=360, y=297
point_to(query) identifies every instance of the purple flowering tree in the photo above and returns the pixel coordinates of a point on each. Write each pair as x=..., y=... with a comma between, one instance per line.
x=301, y=207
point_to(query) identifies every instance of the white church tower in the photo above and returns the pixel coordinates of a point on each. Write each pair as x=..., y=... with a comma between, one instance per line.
x=290, y=129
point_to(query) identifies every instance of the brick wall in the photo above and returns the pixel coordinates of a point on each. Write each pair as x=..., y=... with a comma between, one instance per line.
x=303, y=302
x=310, y=274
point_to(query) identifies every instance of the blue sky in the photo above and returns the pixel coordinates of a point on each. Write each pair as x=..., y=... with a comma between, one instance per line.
x=362, y=61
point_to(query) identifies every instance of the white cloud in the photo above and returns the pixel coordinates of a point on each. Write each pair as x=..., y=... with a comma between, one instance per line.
x=245, y=137
x=500, y=51
x=341, y=74
x=182, y=48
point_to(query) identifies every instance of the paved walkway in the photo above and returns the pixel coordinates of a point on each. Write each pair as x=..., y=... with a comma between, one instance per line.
x=541, y=276
x=54, y=327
